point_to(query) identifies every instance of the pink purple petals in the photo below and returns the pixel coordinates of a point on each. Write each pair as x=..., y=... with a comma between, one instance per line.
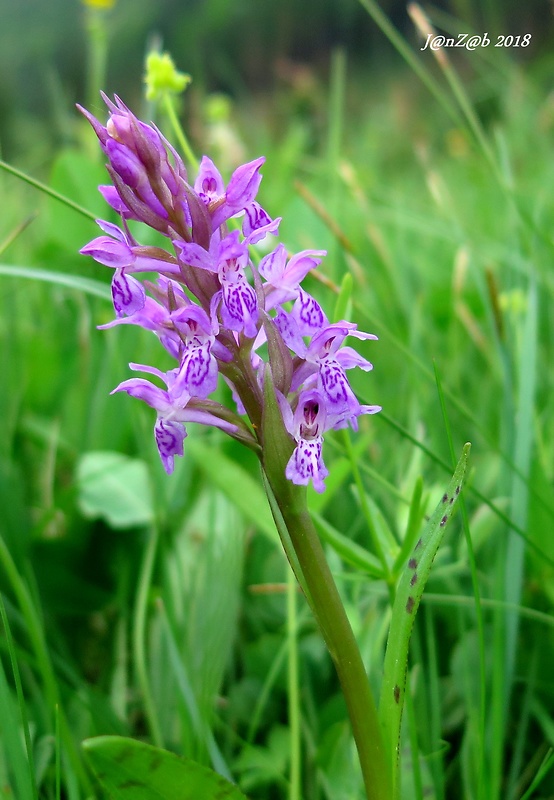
x=214, y=311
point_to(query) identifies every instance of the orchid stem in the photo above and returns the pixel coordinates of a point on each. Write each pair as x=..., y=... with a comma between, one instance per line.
x=289, y=508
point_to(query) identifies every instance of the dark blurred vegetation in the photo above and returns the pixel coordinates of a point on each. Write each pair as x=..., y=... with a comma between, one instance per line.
x=241, y=47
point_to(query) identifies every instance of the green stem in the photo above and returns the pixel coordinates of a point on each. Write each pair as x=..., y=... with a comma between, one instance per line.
x=139, y=635
x=293, y=694
x=288, y=503
x=169, y=108
x=42, y=187
x=97, y=36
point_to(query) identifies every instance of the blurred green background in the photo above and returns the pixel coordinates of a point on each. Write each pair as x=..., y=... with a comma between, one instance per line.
x=244, y=48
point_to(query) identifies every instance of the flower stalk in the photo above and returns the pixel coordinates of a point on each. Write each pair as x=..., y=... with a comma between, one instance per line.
x=303, y=547
x=221, y=312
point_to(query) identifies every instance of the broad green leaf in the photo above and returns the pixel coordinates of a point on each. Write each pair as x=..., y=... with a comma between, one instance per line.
x=116, y=488
x=132, y=770
x=237, y=484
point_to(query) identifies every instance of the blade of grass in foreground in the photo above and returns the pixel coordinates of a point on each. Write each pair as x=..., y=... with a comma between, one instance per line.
x=18, y=751
x=408, y=596
x=86, y=285
x=42, y=187
x=480, y=748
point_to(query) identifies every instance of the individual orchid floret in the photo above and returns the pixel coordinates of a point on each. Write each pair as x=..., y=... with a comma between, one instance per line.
x=172, y=412
x=223, y=203
x=284, y=276
x=120, y=251
x=198, y=370
x=326, y=359
x=306, y=425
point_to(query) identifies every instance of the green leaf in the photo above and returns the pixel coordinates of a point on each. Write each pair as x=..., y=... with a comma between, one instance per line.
x=78, y=282
x=236, y=483
x=115, y=488
x=132, y=770
x=348, y=550
x=343, y=306
x=408, y=596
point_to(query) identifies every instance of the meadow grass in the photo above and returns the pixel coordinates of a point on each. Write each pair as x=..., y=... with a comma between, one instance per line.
x=163, y=608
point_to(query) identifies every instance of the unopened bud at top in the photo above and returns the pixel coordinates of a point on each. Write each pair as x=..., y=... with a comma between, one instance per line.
x=163, y=77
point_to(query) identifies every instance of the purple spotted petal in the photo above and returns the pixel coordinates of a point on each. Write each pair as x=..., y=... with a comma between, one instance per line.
x=334, y=385
x=239, y=307
x=209, y=183
x=244, y=184
x=289, y=330
x=144, y=390
x=128, y=294
x=170, y=436
x=308, y=314
x=257, y=223
x=306, y=464
x=300, y=264
x=197, y=376
x=349, y=358
x=111, y=196
x=195, y=256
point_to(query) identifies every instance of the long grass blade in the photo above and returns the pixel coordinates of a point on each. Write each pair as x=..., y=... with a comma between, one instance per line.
x=408, y=596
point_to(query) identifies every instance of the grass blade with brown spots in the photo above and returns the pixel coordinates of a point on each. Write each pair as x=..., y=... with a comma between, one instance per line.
x=408, y=595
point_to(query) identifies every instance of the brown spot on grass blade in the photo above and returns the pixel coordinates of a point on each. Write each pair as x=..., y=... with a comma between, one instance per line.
x=410, y=602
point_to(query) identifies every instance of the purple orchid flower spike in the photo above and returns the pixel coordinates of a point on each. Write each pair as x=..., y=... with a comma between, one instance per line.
x=212, y=311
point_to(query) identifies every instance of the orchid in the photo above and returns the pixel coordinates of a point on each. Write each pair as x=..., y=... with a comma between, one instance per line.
x=212, y=309
x=221, y=318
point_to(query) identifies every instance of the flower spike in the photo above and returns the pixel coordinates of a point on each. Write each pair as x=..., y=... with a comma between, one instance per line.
x=213, y=311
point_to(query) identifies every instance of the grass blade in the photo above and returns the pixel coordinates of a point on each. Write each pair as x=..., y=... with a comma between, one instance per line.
x=408, y=596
